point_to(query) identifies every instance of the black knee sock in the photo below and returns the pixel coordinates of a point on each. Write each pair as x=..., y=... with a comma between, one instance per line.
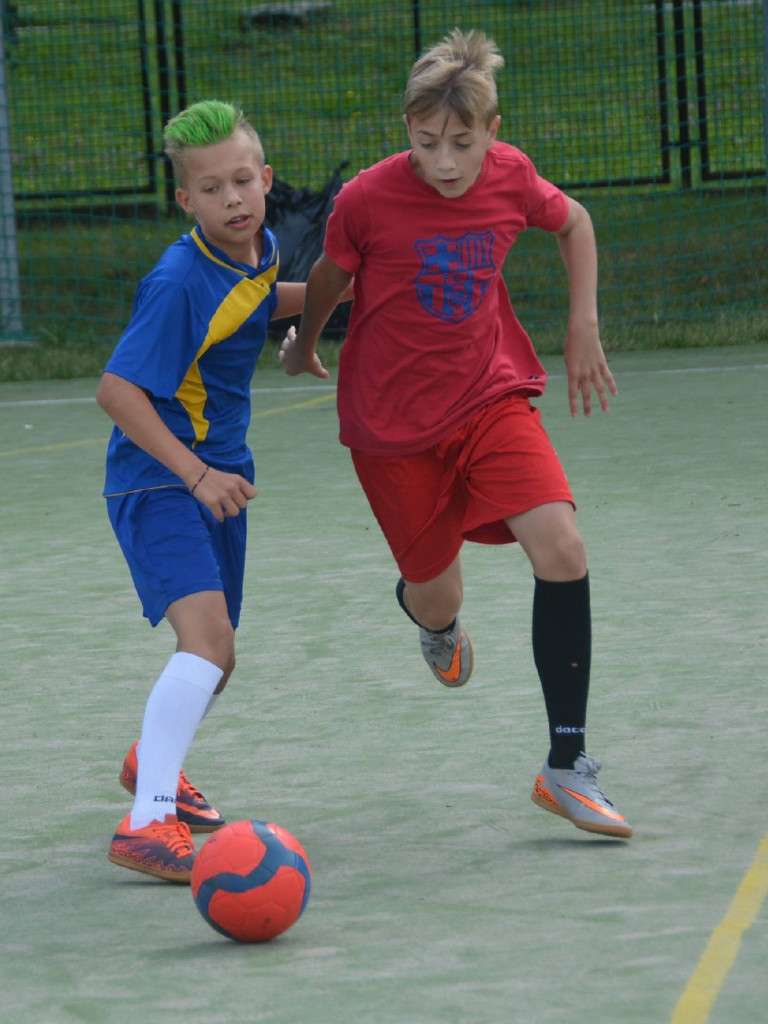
x=562, y=649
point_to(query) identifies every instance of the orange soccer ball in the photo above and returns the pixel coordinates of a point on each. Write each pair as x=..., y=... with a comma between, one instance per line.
x=251, y=880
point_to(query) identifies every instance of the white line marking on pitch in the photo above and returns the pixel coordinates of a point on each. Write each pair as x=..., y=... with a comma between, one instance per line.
x=332, y=387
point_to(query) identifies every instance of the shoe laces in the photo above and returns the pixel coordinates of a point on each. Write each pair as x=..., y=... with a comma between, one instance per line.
x=442, y=645
x=439, y=644
x=588, y=767
x=186, y=786
x=178, y=839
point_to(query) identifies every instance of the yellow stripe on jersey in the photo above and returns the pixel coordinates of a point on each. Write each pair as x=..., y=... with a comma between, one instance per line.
x=246, y=296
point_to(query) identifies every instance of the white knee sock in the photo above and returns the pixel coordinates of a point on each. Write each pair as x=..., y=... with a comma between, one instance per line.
x=209, y=706
x=174, y=710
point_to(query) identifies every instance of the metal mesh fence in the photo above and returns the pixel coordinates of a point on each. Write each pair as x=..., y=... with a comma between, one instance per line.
x=651, y=112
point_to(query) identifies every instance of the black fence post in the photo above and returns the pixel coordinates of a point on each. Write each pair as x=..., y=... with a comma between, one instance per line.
x=765, y=87
x=146, y=100
x=178, y=54
x=416, y=6
x=661, y=75
x=701, y=90
x=164, y=84
x=683, y=126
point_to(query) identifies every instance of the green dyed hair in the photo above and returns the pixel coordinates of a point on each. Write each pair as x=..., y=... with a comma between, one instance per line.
x=204, y=124
x=457, y=74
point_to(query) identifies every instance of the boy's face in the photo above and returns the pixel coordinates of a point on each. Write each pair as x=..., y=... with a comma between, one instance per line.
x=446, y=154
x=225, y=188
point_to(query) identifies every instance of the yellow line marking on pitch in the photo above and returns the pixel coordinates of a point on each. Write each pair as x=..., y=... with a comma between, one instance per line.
x=50, y=447
x=103, y=440
x=717, y=959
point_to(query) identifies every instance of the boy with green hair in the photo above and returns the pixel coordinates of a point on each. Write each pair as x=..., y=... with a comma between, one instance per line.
x=435, y=380
x=179, y=472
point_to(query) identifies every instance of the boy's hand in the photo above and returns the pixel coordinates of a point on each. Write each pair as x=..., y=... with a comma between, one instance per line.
x=225, y=494
x=587, y=368
x=294, y=362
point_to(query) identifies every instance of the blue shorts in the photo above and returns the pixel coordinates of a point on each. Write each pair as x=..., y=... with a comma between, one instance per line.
x=175, y=547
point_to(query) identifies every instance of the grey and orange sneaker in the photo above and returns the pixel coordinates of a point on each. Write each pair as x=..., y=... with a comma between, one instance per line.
x=448, y=654
x=192, y=808
x=573, y=793
x=162, y=849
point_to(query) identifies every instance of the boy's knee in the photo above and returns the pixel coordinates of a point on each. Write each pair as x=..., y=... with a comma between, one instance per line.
x=209, y=636
x=229, y=668
x=575, y=558
x=564, y=559
x=222, y=642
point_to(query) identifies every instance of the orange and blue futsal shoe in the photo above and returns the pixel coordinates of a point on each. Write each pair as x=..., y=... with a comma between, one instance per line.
x=573, y=793
x=162, y=849
x=448, y=654
x=192, y=808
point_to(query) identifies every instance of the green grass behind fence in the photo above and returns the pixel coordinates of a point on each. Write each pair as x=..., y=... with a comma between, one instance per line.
x=579, y=92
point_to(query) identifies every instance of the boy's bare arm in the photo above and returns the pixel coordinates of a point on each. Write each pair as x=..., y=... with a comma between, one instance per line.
x=225, y=494
x=584, y=357
x=290, y=299
x=327, y=285
x=291, y=295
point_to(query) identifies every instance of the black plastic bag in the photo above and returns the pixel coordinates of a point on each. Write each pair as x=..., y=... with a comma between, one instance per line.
x=297, y=216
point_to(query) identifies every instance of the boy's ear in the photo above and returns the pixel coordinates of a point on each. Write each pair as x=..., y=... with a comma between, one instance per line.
x=182, y=198
x=266, y=178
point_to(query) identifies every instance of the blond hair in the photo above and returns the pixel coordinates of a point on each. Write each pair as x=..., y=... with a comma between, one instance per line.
x=457, y=74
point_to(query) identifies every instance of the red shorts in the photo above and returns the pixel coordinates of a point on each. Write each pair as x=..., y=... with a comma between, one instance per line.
x=498, y=464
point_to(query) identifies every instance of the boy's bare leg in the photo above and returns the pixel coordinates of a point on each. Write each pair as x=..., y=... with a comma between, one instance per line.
x=202, y=627
x=434, y=607
x=550, y=538
x=436, y=603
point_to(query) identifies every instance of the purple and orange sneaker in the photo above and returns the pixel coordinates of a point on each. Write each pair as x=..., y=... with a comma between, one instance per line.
x=162, y=849
x=192, y=808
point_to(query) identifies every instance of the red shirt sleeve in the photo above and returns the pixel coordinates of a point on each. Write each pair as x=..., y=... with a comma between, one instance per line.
x=547, y=206
x=346, y=229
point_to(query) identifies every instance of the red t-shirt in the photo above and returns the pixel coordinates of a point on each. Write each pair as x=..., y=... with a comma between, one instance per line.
x=432, y=335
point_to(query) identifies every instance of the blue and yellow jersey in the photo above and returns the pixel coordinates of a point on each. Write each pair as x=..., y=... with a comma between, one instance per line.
x=197, y=328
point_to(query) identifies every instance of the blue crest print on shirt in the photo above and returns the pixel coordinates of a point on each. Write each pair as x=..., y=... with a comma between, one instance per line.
x=455, y=274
